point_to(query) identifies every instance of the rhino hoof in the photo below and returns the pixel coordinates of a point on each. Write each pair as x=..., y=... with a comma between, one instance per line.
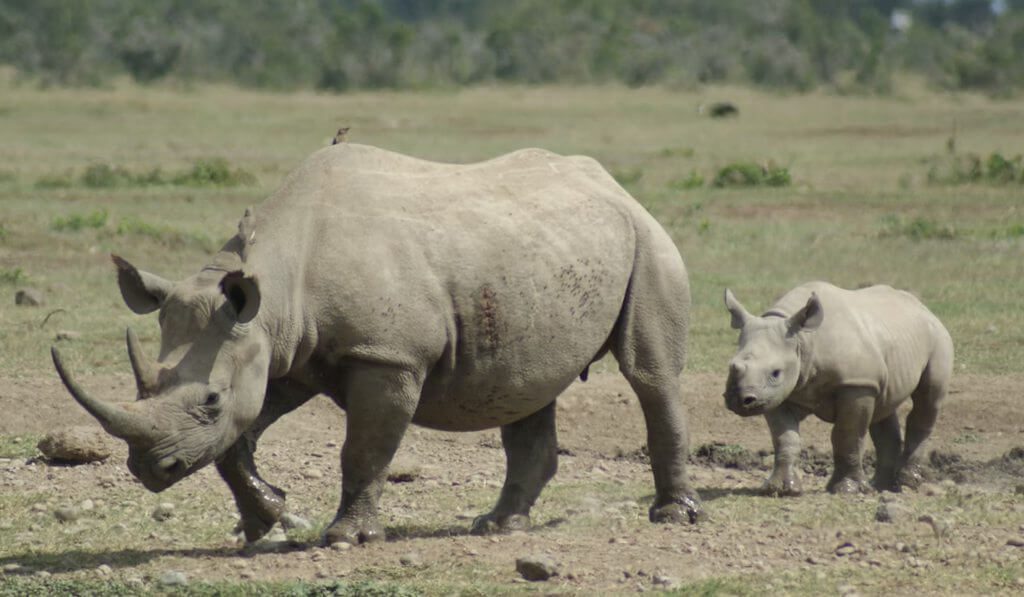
x=781, y=489
x=490, y=524
x=353, y=533
x=847, y=485
x=679, y=511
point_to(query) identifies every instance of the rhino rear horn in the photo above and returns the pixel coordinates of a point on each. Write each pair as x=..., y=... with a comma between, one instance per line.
x=117, y=421
x=146, y=373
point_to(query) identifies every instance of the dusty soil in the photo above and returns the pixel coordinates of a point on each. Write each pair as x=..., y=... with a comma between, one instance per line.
x=591, y=519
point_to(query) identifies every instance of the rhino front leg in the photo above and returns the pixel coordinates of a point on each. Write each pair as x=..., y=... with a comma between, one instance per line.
x=531, y=454
x=784, y=425
x=380, y=402
x=260, y=504
x=885, y=434
x=854, y=409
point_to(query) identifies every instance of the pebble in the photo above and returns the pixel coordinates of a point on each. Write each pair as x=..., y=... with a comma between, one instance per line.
x=404, y=470
x=163, y=512
x=890, y=511
x=76, y=445
x=341, y=546
x=292, y=521
x=312, y=473
x=67, y=335
x=43, y=574
x=1015, y=542
x=104, y=570
x=11, y=568
x=67, y=514
x=411, y=559
x=536, y=568
x=845, y=549
x=28, y=297
x=663, y=581
x=931, y=490
x=173, y=578
x=87, y=505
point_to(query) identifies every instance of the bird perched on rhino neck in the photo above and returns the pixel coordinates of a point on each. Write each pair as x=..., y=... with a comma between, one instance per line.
x=339, y=137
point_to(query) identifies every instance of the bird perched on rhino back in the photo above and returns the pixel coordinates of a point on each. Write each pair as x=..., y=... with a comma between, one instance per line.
x=341, y=136
x=456, y=297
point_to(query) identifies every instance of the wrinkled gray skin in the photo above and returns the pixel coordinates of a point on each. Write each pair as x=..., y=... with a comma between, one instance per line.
x=851, y=358
x=454, y=297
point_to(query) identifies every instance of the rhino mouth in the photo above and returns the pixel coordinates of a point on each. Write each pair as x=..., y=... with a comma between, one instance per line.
x=745, y=404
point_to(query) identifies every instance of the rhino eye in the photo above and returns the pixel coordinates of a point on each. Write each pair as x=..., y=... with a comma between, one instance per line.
x=776, y=373
x=212, y=399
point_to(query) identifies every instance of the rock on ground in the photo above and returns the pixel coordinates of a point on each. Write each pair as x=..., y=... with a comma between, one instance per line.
x=28, y=297
x=536, y=568
x=75, y=445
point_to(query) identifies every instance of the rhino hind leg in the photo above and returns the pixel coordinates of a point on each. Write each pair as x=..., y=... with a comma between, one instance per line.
x=649, y=342
x=885, y=434
x=260, y=504
x=380, y=402
x=531, y=453
x=921, y=420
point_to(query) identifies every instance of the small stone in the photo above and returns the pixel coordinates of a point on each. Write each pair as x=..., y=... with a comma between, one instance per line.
x=663, y=581
x=75, y=445
x=312, y=473
x=104, y=570
x=404, y=470
x=11, y=568
x=813, y=561
x=1019, y=490
x=890, y=511
x=931, y=490
x=291, y=521
x=134, y=580
x=246, y=574
x=42, y=574
x=536, y=568
x=1015, y=541
x=67, y=514
x=410, y=559
x=87, y=505
x=846, y=549
x=173, y=578
x=341, y=546
x=165, y=511
x=28, y=297
x=67, y=335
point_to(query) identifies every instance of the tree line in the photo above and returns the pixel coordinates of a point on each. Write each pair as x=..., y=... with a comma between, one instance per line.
x=848, y=45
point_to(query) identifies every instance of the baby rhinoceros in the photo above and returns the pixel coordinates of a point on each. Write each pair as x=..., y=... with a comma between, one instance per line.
x=851, y=357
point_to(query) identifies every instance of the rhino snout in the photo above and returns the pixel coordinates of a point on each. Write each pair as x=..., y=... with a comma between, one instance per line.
x=744, y=404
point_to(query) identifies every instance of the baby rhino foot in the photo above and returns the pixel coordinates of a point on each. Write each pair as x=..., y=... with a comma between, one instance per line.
x=685, y=509
x=491, y=523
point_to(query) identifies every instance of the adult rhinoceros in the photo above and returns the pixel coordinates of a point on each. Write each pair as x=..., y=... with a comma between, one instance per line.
x=457, y=297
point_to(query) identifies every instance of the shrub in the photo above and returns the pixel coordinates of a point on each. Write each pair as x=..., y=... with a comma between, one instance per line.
x=102, y=176
x=54, y=181
x=13, y=275
x=214, y=172
x=749, y=174
x=956, y=169
x=917, y=229
x=693, y=181
x=76, y=222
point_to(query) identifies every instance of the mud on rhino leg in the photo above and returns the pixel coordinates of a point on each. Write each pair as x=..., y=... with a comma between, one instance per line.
x=885, y=434
x=260, y=504
x=380, y=402
x=784, y=425
x=920, y=421
x=531, y=454
x=854, y=409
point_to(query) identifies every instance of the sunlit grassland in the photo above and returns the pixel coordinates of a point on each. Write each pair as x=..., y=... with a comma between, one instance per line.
x=858, y=167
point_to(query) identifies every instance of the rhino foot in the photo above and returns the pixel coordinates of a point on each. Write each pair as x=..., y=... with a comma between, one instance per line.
x=847, y=485
x=781, y=487
x=490, y=524
x=911, y=477
x=354, y=531
x=685, y=509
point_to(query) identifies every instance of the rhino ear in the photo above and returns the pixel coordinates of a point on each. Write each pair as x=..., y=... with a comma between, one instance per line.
x=740, y=316
x=143, y=292
x=243, y=294
x=809, y=317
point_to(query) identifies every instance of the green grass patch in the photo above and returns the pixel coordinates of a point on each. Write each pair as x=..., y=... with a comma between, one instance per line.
x=55, y=181
x=749, y=174
x=917, y=229
x=214, y=172
x=18, y=446
x=77, y=222
x=12, y=275
x=693, y=181
x=165, y=235
x=971, y=168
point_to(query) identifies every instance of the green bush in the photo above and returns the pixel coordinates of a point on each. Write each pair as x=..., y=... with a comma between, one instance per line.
x=917, y=229
x=214, y=172
x=14, y=275
x=955, y=169
x=76, y=222
x=693, y=181
x=749, y=174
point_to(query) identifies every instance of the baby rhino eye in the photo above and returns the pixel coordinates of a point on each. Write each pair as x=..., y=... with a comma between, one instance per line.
x=212, y=399
x=776, y=373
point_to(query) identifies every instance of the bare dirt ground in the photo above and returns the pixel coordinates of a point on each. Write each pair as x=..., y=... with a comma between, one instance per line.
x=591, y=518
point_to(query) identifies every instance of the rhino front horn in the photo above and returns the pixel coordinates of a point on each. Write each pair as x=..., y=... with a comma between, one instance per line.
x=115, y=420
x=146, y=374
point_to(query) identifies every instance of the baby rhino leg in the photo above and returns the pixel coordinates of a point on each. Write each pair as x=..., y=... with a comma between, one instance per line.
x=784, y=424
x=854, y=410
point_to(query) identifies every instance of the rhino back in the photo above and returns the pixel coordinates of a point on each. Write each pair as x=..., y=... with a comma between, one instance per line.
x=502, y=279
x=878, y=337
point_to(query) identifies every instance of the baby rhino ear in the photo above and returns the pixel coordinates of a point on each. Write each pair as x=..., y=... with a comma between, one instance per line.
x=809, y=317
x=740, y=316
x=143, y=292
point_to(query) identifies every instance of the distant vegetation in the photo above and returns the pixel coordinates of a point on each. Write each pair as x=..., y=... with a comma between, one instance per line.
x=847, y=45
x=215, y=172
